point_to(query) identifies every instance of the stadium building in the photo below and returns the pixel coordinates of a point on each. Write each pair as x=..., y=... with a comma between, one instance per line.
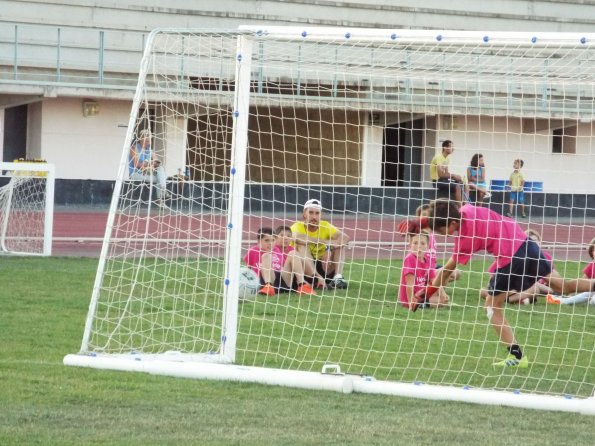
x=68, y=72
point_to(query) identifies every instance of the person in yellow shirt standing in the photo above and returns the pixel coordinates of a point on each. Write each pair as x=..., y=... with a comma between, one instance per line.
x=516, y=183
x=441, y=177
x=321, y=245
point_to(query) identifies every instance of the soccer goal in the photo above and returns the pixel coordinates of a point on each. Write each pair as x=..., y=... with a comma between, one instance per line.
x=26, y=208
x=260, y=120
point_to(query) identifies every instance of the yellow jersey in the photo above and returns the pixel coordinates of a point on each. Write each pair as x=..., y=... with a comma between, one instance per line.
x=516, y=181
x=324, y=232
x=438, y=160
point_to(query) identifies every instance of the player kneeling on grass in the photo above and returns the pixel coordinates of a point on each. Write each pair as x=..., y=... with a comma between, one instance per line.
x=417, y=271
x=277, y=272
x=519, y=262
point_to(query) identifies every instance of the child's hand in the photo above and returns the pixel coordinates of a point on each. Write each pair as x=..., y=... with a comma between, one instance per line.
x=422, y=296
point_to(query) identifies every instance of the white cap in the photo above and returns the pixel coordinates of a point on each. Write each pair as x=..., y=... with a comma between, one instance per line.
x=313, y=203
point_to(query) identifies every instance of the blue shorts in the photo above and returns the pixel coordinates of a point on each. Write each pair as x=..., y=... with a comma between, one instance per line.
x=518, y=197
x=527, y=266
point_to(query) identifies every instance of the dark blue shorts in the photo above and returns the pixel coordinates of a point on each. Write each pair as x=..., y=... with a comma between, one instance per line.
x=518, y=197
x=527, y=266
x=447, y=184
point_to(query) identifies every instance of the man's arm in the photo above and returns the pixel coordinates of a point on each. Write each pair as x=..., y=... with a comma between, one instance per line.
x=444, y=173
x=339, y=239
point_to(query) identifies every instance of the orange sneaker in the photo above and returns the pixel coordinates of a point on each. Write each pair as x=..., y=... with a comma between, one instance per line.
x=304, y=288
x=553, y=300
x=267, y=290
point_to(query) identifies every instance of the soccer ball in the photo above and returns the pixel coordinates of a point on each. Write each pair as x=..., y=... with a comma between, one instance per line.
x=249, y=284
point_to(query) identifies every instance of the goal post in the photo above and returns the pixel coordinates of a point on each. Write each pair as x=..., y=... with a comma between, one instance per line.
x=253, y=123
x=26, y=208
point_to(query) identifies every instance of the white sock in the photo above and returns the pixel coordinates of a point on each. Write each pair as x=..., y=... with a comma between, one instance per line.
x=338, y=276
x=576, y=299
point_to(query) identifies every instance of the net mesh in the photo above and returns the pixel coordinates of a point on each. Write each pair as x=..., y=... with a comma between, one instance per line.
x=353, y=122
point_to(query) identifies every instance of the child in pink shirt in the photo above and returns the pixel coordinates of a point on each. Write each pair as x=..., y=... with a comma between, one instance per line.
x=417, y=271
x=519, y=262
x=264, y=261
x=278, y=271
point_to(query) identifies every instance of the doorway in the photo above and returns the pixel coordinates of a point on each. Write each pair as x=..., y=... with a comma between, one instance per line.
x=402, y=154
x=15, y=133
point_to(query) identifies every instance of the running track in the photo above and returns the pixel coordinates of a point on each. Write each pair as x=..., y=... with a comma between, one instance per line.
x=80, y=233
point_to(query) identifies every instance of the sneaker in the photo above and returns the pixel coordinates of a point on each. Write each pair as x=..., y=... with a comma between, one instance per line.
x=509, y=214
x=487, y=195
x=552, y=300
x=267, y=290
x=512, y=361
x=338, y=283
x=524, y=215
x=304, y=288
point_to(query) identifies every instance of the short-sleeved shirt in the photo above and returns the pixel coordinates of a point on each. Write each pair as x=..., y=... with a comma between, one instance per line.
x=254, y=255
x=516, y=181
x=438, y=160
x=324, y=232
x=482, y=229
x=282, y=254
x=421, y=271
x=589, y=270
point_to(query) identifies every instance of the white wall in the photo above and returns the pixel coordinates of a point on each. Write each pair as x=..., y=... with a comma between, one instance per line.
x=84, y=148
x=502, y=140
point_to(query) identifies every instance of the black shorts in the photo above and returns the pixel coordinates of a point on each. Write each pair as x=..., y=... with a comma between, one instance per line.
x=280, y=285
x=447, y=184
x=320, y=270
x=527, y=266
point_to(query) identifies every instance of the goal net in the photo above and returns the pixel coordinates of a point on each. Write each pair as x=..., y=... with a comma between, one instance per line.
x=251, y=124
x=26, y=208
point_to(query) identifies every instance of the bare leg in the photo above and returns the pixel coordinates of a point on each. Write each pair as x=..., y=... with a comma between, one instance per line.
x=293, y=268
x=495, y=313
x=439, y=299
x=337, y=260
x=303, y=254
x=561, y=286
x=266, y=269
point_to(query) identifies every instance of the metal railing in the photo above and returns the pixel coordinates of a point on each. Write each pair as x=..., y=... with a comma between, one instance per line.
x=39, y=54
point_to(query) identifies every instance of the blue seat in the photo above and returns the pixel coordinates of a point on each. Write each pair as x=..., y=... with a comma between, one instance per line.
x=498, y=185
x=530, y=186
x=533, y=186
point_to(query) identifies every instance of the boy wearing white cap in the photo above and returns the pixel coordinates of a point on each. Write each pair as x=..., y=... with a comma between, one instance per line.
x=325, y=243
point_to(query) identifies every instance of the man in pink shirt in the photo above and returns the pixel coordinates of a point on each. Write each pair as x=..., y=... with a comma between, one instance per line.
x=519, y=262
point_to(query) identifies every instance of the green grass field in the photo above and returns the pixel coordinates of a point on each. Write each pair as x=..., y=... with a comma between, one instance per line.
x=44, y=303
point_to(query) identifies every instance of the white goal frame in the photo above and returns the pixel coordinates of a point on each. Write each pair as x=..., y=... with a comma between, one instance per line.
x=27, y=170
x=220, y=366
